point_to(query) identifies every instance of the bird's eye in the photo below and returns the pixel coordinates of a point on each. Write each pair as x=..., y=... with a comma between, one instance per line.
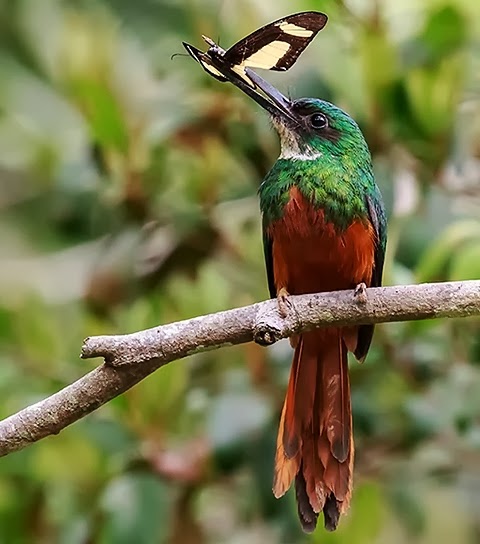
x=318, y=120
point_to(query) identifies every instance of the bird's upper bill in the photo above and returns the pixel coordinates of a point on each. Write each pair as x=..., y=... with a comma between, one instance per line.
x=270, y=98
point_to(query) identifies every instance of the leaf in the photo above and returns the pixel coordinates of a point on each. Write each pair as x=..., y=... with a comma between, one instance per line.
x=235, y=415
x=433, y=264
x=136, y=509
x=433, y=95
x=103, y=113
x=111, y=438
x=466, y=263
x=379, y=59
x=445, y=32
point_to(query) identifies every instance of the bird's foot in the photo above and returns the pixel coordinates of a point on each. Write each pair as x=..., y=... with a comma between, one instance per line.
x=360, y=293
x=284, y=305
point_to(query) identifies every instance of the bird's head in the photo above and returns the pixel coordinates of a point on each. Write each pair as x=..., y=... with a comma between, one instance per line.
x=310, y=128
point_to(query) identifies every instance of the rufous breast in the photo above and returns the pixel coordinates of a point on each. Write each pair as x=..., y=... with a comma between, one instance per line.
x=312, y=255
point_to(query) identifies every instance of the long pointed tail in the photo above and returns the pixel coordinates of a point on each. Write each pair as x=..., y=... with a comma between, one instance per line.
x=315, y=441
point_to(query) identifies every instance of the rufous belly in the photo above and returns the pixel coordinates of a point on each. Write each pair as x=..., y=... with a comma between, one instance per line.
x=311, y=255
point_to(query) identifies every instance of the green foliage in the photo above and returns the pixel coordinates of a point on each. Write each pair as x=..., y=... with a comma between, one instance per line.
x=128, y=198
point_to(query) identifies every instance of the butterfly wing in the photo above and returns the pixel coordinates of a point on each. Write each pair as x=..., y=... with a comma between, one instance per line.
x=278, y=45
x=205, y=61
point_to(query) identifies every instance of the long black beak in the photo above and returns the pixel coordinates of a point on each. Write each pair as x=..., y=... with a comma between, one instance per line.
x=272, y=99
x=266, y=95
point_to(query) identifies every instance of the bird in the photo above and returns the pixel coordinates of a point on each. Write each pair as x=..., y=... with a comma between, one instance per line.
x=324, y=229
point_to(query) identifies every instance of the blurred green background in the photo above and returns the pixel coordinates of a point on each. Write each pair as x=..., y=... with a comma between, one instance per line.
x=128, y=198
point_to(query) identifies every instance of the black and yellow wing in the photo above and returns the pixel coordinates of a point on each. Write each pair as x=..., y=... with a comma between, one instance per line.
x=275, y=46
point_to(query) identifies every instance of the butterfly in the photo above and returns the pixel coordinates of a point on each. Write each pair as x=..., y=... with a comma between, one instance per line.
x=275, y=46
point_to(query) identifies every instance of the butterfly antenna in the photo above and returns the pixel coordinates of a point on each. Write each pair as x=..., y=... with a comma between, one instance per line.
x=179, y=55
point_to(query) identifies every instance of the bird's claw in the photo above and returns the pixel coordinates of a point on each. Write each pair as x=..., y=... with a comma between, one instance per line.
x=360, y=293
x=284, y=305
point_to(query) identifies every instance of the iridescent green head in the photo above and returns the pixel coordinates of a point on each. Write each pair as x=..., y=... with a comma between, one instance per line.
x=315, y=128
x=309, y=128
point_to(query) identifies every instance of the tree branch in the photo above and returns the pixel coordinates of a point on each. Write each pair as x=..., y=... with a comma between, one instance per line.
x=130, y=358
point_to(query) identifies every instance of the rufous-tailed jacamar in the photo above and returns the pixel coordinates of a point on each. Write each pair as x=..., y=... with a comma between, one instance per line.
x=324, y=229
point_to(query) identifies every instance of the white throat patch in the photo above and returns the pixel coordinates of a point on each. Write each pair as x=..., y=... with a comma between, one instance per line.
x=290, y=148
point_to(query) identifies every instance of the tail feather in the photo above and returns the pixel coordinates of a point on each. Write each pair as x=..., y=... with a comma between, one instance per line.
x=307, y=515
x=304, y=392
x=337, y=478
x=285, y=467
x=331, y=513
x=291, y=433
x=336, y=415
x=311, y=467
x=315, y=443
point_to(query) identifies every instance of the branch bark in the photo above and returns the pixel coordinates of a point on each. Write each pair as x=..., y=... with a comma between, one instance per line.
x=130, y=358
